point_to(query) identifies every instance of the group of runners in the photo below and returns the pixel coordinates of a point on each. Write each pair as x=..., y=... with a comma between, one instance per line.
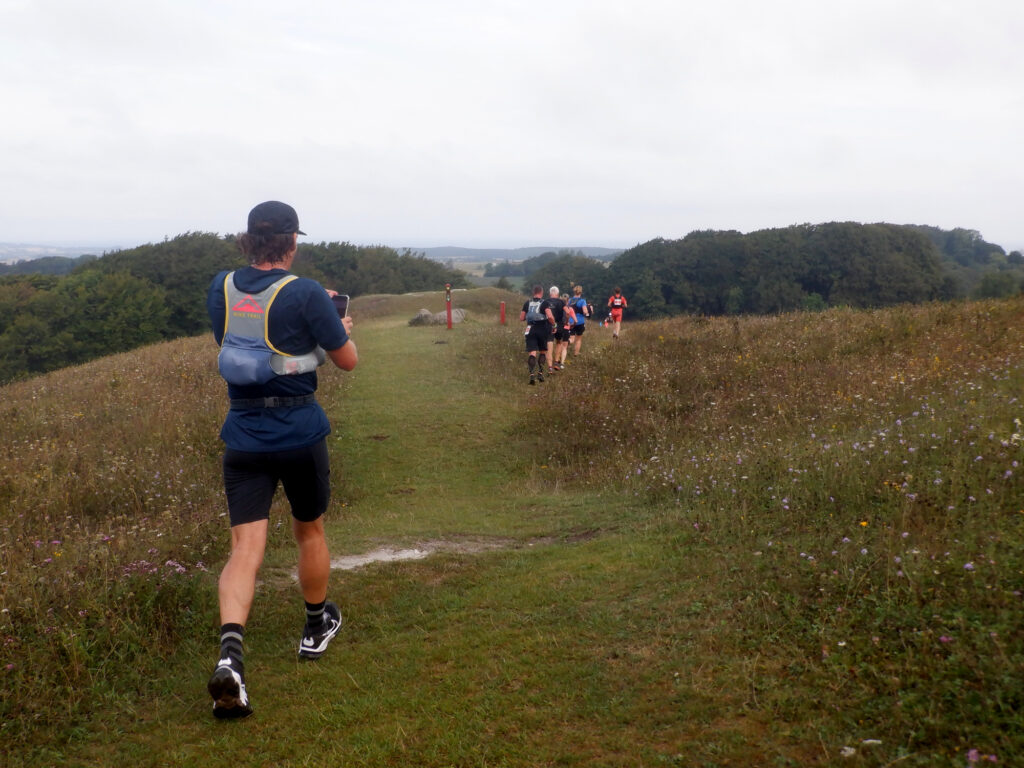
x=553, y=323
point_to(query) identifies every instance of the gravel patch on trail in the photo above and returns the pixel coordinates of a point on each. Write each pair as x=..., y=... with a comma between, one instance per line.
x=420, y=551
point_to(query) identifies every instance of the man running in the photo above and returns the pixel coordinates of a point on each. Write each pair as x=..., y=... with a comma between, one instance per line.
x=561, y=333
x=539, y=319
x=274, y=330
x=616, y=303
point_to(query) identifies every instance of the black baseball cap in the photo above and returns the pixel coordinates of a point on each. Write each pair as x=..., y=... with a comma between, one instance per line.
x=274, y=218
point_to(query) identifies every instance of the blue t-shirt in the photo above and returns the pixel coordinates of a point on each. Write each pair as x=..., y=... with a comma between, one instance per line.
x=301, y=317
x=578, y=303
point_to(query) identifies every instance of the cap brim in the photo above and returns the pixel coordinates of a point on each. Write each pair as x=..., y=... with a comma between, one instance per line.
x=299, y=232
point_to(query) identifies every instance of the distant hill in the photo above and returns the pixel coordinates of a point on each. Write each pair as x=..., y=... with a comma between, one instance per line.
x=67, y=311
x=12, y=253
x=454, y=253
x=44, y=265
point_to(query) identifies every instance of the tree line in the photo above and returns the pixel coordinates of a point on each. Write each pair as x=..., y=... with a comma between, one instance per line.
x=155, y=292
x=809, y=266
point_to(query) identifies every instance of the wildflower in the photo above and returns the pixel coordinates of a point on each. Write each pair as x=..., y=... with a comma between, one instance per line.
x=968, y=566
x=864, y=551
x=945, y=639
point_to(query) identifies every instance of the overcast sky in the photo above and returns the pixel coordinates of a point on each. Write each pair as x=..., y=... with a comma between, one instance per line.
x=501, y=123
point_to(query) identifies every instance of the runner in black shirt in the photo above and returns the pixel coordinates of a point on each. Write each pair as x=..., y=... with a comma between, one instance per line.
x=539, y=320
x=557, y=306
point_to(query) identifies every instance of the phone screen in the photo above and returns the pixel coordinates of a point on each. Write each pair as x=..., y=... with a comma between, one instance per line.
x=341, y=304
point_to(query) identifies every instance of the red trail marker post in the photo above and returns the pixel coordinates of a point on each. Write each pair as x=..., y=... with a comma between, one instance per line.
x=448, y=303
x=503, y=313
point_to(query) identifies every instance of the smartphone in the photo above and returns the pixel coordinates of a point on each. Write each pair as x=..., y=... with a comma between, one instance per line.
x=341, y=304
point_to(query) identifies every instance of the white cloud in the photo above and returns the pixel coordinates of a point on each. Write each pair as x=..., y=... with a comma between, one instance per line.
x=559, y=122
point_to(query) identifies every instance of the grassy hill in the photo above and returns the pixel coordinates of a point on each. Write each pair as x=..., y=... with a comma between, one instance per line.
x=789, y=540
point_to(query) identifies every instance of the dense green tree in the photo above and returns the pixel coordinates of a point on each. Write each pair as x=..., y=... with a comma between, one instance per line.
x=567, y=271
x=183, y=267
x=27, y=346
x=110, y=312
x=18, y=295
x=711, y=272
x=997, y=285
x=645, y=297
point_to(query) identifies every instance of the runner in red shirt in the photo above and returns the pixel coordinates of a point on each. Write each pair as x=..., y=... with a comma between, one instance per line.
x=616, y=303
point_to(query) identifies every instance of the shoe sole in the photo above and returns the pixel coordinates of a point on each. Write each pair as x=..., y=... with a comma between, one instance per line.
x=227, y=696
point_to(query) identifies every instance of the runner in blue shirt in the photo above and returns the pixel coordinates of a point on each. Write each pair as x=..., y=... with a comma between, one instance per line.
x=580, y=307
x=274, y=329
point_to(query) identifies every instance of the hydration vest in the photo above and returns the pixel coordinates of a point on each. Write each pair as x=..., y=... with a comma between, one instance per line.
x=618, y=302
x=246, y=354
x=533, y=313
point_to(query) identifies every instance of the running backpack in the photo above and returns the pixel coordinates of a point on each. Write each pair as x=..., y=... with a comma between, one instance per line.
x=533, y=313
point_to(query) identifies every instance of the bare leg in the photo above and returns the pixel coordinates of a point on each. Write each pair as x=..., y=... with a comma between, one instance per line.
x=237, y=584
x=314, y=559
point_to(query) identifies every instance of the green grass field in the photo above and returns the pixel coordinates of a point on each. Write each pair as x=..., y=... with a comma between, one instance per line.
x=779, y=541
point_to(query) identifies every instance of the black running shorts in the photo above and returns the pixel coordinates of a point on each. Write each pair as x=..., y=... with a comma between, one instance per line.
x=537, y=338
x=577, y=330
x=250, y=481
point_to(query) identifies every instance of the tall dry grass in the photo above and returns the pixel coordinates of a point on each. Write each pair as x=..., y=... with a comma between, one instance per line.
x=111, y=496
x=853, y=481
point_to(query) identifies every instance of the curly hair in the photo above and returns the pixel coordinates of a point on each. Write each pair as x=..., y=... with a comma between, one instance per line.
x=265, y=249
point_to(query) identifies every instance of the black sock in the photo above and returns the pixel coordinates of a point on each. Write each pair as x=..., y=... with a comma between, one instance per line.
x=532, y=363
x=315, y=614
x=543, y=360
x=231, y=643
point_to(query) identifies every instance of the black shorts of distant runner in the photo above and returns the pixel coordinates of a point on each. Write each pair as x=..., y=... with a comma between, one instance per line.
x=537, y=337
